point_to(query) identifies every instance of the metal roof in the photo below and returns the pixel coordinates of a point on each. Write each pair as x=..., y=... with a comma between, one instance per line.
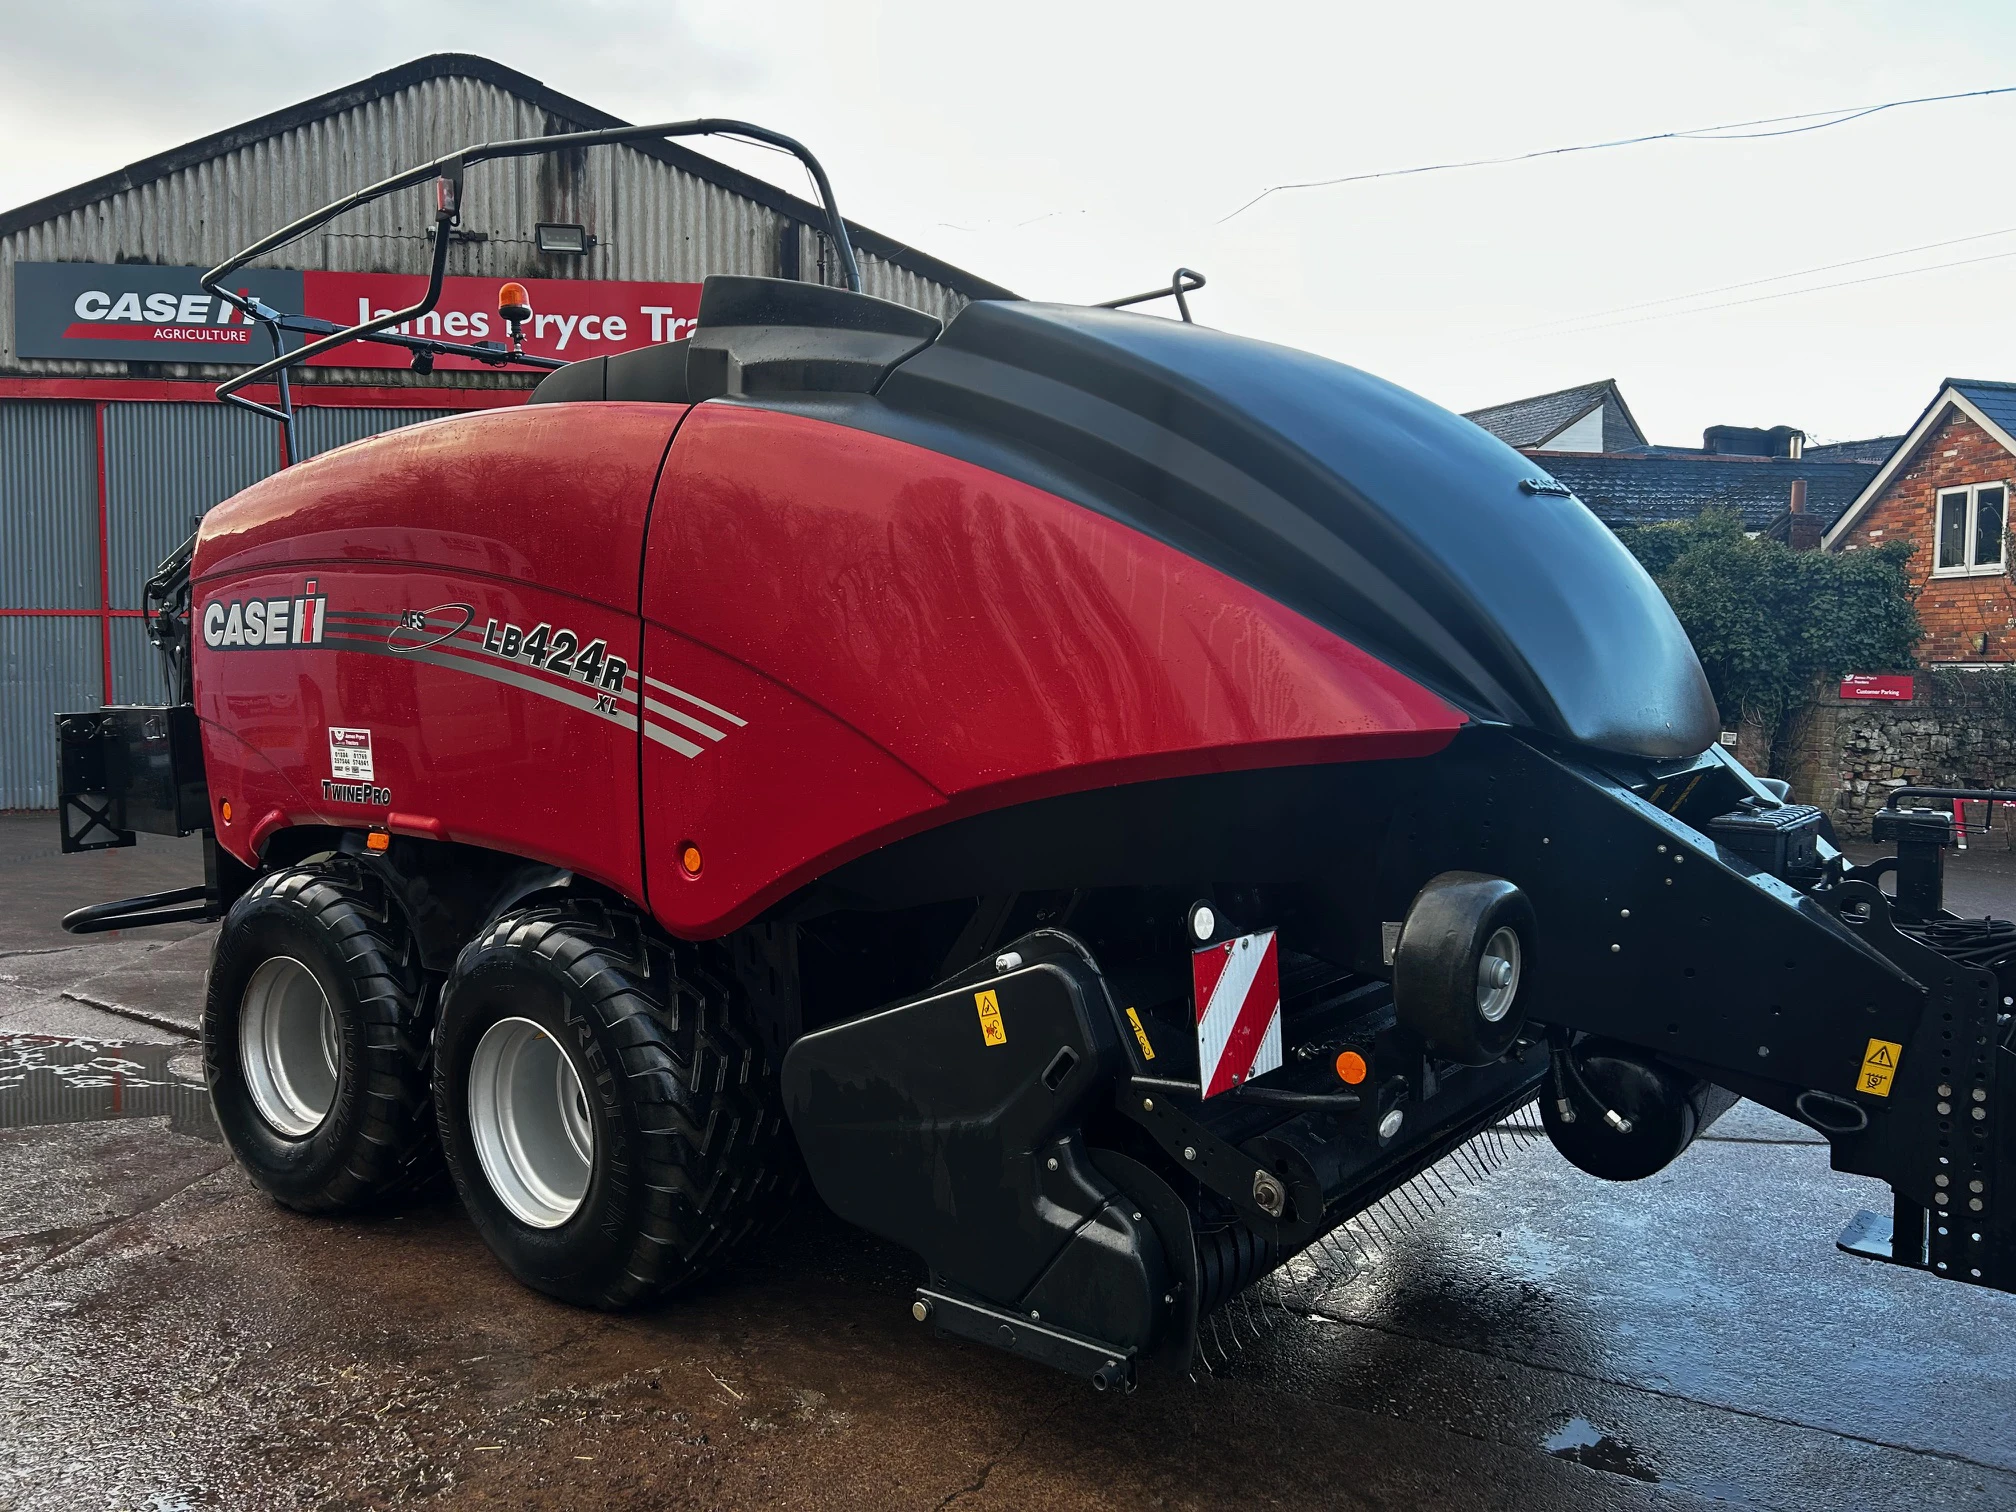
x=575, y=114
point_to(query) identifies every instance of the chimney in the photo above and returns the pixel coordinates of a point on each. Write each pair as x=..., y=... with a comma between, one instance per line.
x=1802, y=531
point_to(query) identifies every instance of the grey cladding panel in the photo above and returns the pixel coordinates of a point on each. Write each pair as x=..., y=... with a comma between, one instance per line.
x=138, y=676
x=47, y=665
x=48, y=505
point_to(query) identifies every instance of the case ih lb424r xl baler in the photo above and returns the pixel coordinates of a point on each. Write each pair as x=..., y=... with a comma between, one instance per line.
x=1107, y=799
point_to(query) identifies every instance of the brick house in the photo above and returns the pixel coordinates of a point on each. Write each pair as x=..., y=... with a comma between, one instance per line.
x=1945, y=488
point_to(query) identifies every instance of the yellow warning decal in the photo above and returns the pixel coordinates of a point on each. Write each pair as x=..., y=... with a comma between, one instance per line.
x=1879, y=1067
x=1141, y=1035
x=992, y=1030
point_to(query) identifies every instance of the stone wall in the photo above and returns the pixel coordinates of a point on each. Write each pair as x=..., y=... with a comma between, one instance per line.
x=1959, y=730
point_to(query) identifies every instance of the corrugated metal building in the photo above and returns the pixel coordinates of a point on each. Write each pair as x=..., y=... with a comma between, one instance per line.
x=105, y=465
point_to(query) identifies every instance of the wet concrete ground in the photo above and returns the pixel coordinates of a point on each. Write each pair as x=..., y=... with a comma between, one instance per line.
x=171, y=1340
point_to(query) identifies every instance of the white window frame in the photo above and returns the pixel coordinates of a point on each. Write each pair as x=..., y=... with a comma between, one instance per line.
x=1967, y=567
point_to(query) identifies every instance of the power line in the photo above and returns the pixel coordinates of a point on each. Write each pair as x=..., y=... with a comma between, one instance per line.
x=1819, y=120
x=1751, y=283
x=1846, y=283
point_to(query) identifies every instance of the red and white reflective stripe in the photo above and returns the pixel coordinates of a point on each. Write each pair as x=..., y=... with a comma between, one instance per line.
x=1238, y=987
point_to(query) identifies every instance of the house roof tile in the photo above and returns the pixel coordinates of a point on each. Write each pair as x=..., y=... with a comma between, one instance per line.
x=1530, y=422
x=1653, y=489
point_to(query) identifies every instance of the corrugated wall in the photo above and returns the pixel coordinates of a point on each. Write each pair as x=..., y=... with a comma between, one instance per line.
x=165, y=466
x=138, y=676
x=45, y=665
x=654, y=221
x=48, y=506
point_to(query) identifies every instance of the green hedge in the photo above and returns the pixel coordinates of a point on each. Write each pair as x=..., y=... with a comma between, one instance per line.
x=1768, y=622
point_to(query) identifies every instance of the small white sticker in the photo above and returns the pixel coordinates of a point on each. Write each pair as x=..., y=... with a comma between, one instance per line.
x=350, y=755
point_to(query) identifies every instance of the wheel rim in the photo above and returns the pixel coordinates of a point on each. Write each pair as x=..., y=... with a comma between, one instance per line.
x=289, y=1046
x=1498, y=975
x=528, y=1115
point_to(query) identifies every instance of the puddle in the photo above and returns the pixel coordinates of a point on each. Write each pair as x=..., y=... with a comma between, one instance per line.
x=1579, y=1440
x=57, y=1081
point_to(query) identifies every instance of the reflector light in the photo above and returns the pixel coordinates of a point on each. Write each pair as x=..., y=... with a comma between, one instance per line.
x=1351, y=1068
x=224, y=810
x=377, y=840
x=689, y=859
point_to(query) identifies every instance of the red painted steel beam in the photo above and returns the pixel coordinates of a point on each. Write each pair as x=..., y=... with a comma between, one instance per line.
x=104, y=555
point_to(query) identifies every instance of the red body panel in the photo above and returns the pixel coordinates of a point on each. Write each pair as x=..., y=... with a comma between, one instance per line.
x=518, y=518
x=542, y=494
x=936, y=639
x=843, y=639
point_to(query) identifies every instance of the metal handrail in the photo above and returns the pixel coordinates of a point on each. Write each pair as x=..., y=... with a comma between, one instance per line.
x=1183, y=281
x=1966, y=795
x=447, y=172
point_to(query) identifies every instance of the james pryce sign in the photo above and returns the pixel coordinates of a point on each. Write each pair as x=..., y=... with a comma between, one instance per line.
x=136, y=312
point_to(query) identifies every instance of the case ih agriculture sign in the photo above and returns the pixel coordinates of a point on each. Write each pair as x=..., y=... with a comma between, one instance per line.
x=136, y=312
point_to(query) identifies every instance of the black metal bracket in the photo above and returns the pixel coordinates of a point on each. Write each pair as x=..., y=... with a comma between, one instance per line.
x=959, y=1318
x=94, y=821
x=1937, y=1130
x=129, y=768
x=1156, y=1105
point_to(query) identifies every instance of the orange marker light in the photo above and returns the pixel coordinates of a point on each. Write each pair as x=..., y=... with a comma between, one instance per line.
x=1351, y=1068
x=378, y=840
x=689, y=859
x=224, y=810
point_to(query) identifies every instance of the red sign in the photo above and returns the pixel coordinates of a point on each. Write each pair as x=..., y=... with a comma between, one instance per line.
x=571, y=318
x=1876, y=685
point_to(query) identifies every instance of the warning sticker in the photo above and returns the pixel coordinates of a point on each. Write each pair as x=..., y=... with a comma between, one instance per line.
x=992, y=1030
x=1879, y=1067
x=1140, y=1035
x=350, y=755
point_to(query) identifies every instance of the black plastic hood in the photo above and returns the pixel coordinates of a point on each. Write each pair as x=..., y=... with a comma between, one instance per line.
x=1403, y=527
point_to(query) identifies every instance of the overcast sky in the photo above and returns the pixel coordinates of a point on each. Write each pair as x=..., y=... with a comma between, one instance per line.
x=1079, y=151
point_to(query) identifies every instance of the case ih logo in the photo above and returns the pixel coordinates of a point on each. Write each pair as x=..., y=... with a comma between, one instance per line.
x=270, y=623
x=128, y=311
x=199, y=319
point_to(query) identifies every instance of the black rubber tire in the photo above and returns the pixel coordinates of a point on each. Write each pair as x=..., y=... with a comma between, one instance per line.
x=378, y=1139
x=692, y=1156
x=1435, y=965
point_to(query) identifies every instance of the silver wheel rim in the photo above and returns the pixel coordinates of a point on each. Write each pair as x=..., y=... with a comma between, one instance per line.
x=529, y=1118
x=289, y=1046
x=1498, y=975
